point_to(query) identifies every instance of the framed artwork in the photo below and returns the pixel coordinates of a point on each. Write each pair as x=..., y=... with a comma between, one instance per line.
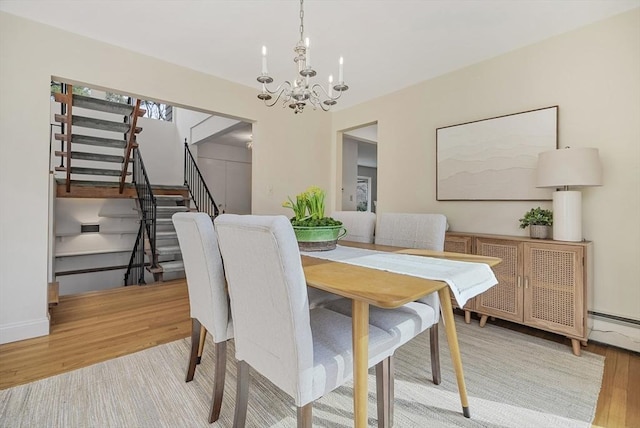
x=495, y=159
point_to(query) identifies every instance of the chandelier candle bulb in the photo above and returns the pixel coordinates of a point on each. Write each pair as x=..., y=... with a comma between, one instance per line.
x=264, y=62
x=340, y=71
x=330, y=85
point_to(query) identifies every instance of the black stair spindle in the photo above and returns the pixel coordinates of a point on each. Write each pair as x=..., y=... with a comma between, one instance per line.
x=200, y=194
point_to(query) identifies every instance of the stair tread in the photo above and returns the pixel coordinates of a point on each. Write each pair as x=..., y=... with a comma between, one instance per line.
x=170, y=197
x=103, y=105
x=95, y=141
x=164, y=221
x=173, y=266
x=93, y=171
x=98, y=157
x=93, y=123
x=171, y=208
x=168, y=249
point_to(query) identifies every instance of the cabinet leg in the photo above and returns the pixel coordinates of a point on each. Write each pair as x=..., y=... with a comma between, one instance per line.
x=467, y=317
x=483, y=320
x=575, y=344
x=583, y=343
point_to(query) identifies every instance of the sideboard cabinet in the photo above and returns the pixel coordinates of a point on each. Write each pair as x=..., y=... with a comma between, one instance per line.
x=541, y=283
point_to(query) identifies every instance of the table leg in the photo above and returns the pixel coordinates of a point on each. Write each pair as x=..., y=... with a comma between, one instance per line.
x=452, y=338
x=360, y=320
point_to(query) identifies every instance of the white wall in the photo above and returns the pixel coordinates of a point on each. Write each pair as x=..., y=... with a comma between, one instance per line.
x=593, y=74
x=162, y=151
x=118, y=223
x=187, y=119
x=285, y=145
x=349, y=173
x=227, y=173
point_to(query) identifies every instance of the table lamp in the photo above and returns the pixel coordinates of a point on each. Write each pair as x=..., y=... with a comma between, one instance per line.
x=561, y=169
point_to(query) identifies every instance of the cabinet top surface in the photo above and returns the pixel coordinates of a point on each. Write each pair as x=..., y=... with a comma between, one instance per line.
x=516, y=238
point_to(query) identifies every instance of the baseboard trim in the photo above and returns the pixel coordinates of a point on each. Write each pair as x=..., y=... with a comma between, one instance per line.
x=615, y=333
x=14, y=332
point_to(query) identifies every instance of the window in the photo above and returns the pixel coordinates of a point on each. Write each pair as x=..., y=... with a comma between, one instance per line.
x=157, y=110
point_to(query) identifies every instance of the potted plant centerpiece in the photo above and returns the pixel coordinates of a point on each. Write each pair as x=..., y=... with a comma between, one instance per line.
x=539, y=222
x=313, y=230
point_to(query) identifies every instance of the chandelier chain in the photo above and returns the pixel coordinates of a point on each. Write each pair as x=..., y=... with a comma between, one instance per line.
x=301, y=21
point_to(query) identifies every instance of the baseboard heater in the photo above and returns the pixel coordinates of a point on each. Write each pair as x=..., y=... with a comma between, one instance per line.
x=615, y=318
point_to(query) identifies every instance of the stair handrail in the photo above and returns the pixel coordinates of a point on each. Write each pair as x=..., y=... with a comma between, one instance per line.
x=200, y=194
x=66, y=118
x=146, y=200
x=131, y=143
x=135, y=269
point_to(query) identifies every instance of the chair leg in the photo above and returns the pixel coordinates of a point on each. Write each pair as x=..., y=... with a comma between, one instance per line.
x=305, y=416
x=242, y=395
x=195, y=341
x=218, y=381
x=435, y=354
x=383, y=399
x=203, y=337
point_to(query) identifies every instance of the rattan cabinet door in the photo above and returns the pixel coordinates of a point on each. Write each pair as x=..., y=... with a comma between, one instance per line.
x=553, y=288
x=459, y=244
x=504, y=300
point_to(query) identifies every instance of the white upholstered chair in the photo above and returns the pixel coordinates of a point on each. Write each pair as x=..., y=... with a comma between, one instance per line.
x=426, y=231
x=408, y=321
x=360, y=225
x=208, y=299
x=305, y=352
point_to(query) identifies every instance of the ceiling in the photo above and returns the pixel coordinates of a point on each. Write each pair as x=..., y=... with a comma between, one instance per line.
x=387, y=44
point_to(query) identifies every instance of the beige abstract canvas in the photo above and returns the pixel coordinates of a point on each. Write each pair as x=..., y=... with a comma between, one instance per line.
x=495, y=159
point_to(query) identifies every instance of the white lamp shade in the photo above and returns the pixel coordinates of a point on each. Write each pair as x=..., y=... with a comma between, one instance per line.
x=569, y=167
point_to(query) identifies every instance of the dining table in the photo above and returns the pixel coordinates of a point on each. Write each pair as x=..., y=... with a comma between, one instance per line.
x=367, y=286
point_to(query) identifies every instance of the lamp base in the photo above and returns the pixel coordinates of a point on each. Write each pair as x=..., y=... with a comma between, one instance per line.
x=567, y=215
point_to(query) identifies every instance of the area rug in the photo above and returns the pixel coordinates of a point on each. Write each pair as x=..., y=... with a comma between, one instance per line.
x=513, y=380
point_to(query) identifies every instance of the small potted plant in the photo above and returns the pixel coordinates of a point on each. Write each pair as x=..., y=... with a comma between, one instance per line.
x=539, y=221
x=313, y=230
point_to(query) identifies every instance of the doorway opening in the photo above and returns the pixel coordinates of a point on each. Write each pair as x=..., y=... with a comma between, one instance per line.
x=360, y=168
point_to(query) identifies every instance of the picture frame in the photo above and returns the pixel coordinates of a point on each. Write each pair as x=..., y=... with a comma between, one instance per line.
x=495, y=159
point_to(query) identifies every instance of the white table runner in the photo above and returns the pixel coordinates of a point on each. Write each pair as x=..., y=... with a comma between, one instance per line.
x=465, y=279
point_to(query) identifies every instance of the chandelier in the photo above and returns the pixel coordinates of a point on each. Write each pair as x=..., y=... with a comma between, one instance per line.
x=296, y=94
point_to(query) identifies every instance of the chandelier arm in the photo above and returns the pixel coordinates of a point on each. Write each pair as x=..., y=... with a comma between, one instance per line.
x=323, y=107
x=280, y=88
x=317, y=86
x=280, y=92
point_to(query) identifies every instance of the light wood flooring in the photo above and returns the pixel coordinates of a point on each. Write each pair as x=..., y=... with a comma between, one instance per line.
x=92, y=327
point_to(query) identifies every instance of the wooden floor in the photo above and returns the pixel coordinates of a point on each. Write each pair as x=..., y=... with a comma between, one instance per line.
x=93, y=327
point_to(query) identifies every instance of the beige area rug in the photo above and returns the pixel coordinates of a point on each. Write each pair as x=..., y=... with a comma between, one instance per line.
x=513, y=380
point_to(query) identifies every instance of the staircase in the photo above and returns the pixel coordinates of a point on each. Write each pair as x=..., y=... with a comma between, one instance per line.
x=110, y=141
x=167, y=257
x=101, y=168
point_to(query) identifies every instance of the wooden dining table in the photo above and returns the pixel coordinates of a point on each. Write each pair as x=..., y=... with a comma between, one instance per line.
x=369, y=286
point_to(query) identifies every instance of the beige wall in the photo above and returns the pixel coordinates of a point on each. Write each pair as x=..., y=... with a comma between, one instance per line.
x=285, y=145
x=593, y=75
